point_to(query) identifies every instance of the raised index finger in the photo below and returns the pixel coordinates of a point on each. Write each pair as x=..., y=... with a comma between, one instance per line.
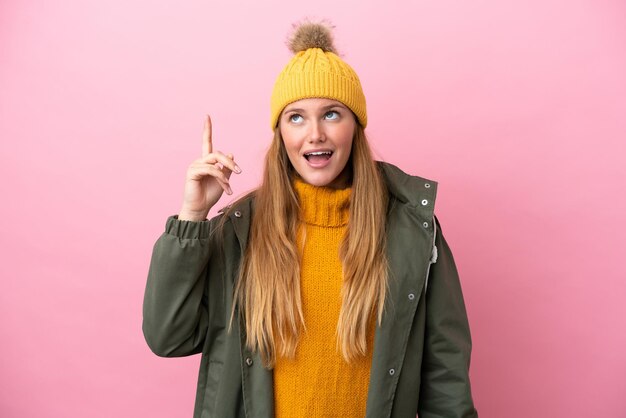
x=207, y=144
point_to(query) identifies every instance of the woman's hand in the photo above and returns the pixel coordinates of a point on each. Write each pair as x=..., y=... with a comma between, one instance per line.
x=207, y=178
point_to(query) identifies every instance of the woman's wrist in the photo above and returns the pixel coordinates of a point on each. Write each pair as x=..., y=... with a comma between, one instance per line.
x=185, y=215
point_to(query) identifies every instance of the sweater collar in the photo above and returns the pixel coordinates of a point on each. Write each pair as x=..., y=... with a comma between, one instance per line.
x=322, y=206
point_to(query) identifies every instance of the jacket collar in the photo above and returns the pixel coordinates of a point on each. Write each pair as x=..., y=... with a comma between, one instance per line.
x=406, y=188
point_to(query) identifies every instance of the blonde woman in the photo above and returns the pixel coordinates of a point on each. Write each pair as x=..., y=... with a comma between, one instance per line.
x=327, y=292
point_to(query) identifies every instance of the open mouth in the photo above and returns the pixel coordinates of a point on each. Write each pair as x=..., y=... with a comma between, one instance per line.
x=317, y=157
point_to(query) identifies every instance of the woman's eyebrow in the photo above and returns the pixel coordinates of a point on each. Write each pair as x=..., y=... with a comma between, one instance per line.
x=334, y=105
x=325, y=108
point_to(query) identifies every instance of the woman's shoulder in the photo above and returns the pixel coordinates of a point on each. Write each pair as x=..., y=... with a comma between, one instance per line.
x=408, y=188
x=238, y=206
x=235, y=217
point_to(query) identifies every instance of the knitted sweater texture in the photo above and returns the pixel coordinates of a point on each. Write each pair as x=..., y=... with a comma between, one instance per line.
x=318, y=382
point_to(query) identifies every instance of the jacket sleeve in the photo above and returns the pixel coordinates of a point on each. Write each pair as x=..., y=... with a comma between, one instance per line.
x=175, y=315
x=445, y=388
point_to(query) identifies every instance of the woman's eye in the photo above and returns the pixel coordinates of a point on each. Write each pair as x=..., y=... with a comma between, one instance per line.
x=295, y=118
x=332, y=115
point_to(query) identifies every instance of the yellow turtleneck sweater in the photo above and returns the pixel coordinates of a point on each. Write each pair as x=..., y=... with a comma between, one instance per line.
x=318, y=382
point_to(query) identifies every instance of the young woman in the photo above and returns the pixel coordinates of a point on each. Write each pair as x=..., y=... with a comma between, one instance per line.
x=327, y=292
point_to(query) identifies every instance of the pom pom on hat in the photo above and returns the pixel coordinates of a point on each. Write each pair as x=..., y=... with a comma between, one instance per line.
x=311, y=35
x=316, y=71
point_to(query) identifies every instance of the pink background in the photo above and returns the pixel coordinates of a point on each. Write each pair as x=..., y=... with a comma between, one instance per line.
x=518, y=109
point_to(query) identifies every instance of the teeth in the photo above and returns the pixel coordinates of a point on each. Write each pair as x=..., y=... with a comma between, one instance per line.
x=319, y=153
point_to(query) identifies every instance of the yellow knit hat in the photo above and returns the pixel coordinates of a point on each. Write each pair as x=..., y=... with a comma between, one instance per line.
x=316, y=71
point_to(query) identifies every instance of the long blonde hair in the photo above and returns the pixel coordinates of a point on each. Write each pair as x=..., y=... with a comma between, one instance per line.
x=267, y=293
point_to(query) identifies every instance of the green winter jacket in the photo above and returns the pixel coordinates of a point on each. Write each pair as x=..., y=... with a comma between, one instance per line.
x=421, y=350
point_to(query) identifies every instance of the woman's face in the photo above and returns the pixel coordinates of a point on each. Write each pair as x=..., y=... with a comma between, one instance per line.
x=318, y=137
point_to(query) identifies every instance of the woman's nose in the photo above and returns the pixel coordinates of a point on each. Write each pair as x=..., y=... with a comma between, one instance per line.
x=316, y=132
